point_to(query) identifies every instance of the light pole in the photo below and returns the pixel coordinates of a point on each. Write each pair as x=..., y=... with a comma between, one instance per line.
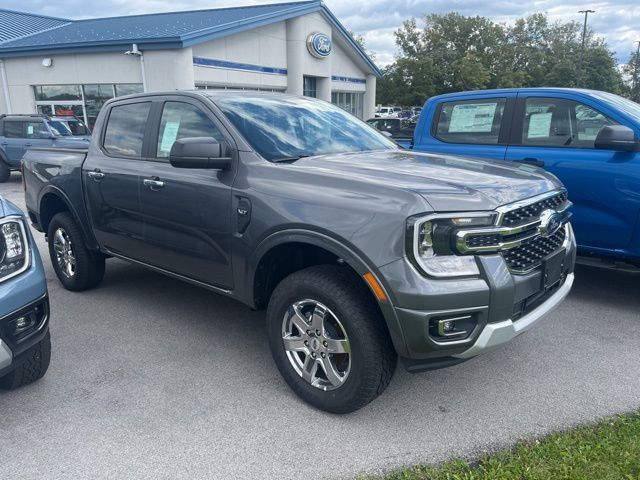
x=584, y=35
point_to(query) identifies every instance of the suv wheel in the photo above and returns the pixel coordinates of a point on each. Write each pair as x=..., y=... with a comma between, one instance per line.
x=5, y=173
x=32, y=368
x=77, y=267
x=329, y=340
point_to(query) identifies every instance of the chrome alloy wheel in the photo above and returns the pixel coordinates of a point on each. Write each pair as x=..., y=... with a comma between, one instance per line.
x=64, y=253
x=316, y=344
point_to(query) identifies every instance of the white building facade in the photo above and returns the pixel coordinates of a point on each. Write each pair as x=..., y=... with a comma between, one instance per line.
x=297, y=48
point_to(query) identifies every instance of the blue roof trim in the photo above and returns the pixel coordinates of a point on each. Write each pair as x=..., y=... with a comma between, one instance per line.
x=154, y=31
x=214, y=63
x=336, y=78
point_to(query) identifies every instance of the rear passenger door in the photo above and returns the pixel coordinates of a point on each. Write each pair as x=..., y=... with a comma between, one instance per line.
x=187, y=212
x=112, y=181
x=478, y=126
x=558, y=133
x=13, y=141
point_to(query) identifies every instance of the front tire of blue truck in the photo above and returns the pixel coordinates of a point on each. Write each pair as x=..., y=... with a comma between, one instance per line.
x=5, y=173
x=77, y=267
x=32, y=368
x=329, y=340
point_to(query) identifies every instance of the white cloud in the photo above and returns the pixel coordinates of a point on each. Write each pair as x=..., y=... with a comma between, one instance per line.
x=376, y=20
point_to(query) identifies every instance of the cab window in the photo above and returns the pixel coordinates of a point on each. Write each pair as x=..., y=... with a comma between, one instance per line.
x=471, y=121
x=183, y=120
x=557, y=122
x=124, y=135
x=33, y=130
x=13, y=129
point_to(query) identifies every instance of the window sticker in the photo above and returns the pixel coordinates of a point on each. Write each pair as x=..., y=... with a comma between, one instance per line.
x=472, y=118
x=169, y=135
x=29, y=129
x=539, y=125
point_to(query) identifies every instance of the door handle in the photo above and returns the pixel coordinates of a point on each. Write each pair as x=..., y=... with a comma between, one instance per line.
x=153, y=183
x=532, y=161
x=96, y=175
x=28, y=144
x=4, y=144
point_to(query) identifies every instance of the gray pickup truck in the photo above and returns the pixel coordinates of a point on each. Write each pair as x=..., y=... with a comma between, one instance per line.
x=359, y=251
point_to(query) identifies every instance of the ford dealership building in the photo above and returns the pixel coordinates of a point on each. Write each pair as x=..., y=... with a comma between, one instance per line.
x=60, y=66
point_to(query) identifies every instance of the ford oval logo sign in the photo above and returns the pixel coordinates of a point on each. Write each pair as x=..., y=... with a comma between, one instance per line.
x=319, y=45
x=550, y=223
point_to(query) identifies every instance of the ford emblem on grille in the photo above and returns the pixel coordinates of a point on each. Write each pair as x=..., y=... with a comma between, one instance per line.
x=550, y=223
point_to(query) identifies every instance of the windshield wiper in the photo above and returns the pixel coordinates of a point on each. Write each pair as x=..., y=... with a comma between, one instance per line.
x=289, y=159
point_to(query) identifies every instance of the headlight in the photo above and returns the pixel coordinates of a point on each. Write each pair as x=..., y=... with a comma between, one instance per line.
x=431, y=243
x=14, y=249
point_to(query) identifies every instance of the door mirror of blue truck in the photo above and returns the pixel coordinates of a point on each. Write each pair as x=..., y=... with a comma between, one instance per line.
x=200, y=152
x=46, y=135
x=616, y=137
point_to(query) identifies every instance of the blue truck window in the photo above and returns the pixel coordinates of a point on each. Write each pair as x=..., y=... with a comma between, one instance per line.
x=13, y=129
x=557, y=122
x=475, y=121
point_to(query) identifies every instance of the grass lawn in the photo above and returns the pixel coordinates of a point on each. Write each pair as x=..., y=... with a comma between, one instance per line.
x=609, y=450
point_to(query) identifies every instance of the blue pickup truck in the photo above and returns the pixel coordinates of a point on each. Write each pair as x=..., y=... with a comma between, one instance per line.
x=588, y=139
x=25, y=346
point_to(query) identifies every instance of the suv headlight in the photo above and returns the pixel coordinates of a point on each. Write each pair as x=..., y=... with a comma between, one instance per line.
x=431, y=243
x=14, y=248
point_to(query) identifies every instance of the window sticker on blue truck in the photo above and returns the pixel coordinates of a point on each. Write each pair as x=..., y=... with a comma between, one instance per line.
x=539, y=125
x=470, y=117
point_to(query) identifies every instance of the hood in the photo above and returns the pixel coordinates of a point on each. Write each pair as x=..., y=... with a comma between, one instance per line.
x=7, y=208
x=446, y=182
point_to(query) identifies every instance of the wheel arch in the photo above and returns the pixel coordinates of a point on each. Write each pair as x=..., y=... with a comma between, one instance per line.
x=259, y=287
x=53, y=201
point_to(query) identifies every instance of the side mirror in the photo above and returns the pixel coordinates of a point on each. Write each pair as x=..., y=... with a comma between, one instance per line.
x=46, y=135
x=616, y=137
x=199, y=152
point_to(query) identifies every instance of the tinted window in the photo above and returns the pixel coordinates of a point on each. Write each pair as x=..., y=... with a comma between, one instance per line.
x=13, y=129
x=283, y=127
x=556, y=122
x=125, y=129
x=471, y=121
x=182, y=120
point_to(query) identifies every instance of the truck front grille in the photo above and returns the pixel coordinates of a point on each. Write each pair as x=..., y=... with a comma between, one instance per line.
x=529, y=255
x=531, y=212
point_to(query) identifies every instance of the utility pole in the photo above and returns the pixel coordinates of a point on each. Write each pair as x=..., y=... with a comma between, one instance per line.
x=584, y=36
x=636, y=67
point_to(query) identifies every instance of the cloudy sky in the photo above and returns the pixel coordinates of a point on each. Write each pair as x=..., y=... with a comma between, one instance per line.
x=616, y=20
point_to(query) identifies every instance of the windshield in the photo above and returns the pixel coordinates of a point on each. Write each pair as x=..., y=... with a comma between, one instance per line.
x=629, y=107
x=77, y=127
x=59, y=128
x=291, y=127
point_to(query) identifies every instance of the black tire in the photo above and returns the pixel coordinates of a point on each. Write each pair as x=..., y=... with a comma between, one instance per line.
x=5, y=173
x=372, y=358
x=33, y=368
x=89, y=266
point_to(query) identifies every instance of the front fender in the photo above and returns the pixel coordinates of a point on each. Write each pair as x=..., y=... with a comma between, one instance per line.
x=339, y=247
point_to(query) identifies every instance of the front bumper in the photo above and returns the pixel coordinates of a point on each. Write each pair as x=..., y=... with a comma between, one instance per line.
x=499, y=304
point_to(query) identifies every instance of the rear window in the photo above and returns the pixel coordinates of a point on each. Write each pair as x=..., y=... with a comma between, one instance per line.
x=13, y=129
x=471, y=121
x=124, y=135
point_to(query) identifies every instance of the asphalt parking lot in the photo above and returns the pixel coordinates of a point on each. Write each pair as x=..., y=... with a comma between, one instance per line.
x=154, y=378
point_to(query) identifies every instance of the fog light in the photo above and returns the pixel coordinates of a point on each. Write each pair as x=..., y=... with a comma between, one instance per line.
x=22, y=324
x=448, y=326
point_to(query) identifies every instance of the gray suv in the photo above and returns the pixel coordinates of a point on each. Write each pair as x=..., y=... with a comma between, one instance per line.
x=359, y=251
x=20, y=132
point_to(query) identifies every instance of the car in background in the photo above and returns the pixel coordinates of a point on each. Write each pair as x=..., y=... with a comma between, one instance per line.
x=405, y=114
x=416, y=110
x=586, y=138
x=397, y=129
x=386, y=112
x=74, y=126
x=25, y=346
x=20, y=132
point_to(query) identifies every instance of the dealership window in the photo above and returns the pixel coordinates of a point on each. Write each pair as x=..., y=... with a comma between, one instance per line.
x=352, y=102
x=310, y=87
x=81, y=101
x=236, y=87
